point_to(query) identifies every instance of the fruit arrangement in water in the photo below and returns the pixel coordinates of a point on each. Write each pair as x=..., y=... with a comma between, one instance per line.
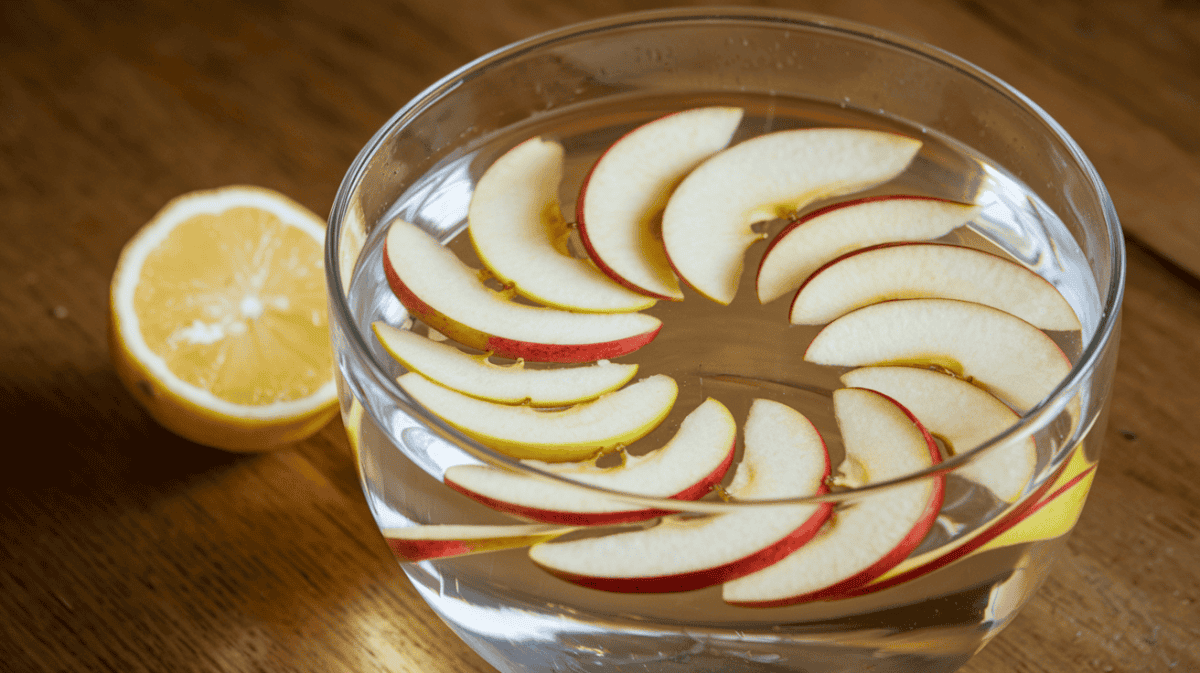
x=942, y=347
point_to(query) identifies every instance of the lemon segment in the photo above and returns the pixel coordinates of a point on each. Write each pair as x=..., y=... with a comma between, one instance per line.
x=219, y=324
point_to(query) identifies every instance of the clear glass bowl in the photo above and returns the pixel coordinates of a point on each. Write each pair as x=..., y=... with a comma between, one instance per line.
x=985, y=142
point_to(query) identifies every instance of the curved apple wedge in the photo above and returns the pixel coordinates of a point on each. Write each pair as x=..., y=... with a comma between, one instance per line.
x=963, y=416
x=1050, y=512
x=866, y=538
x=1052, y=517
x=823, y=235
x=685, y=468
x=441, y=291
x=784, y=457
x=418, y=543
x=621, y=202
x=911, y=270
x=576, y=433
x=512, y=384
x=518, y=231
x=706, y=224
x=1005, y=354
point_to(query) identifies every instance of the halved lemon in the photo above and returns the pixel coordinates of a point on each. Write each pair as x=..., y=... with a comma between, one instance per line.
x=218, y=319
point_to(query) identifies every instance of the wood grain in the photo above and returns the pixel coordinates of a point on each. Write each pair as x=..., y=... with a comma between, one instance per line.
x=123, y=547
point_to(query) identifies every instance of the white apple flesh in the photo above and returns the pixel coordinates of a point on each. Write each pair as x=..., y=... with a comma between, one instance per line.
x=707, y=221
x=825, y=234
x=444, y=293
x=517, y=228
x=864, y=539
x=685, y=468
x=575, y=433
x=474, y=375
x=963, y=416
x=419, y=543
x=1016, y=361
x=784, y=457
x=620, y=205
x=912, y=270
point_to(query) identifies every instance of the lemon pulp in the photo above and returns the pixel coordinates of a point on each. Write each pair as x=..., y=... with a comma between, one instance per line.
x=220, y=323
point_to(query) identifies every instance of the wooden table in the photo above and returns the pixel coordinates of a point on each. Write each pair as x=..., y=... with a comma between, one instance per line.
x=126, y=548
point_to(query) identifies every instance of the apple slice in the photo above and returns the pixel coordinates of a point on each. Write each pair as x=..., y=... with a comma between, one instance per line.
x=685, y=468
x=518, y=231
x=864, y=539
x=474, y=375
x=963, y=416
x=910, y=270
x=576, y=433
x=822, y=235
x=1050, y=512
x=1052, y=517
x=621, y=203
x=784, y=457
x=437, y=288
x=706, y=224
x=419, y=543
x=1005, y=354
